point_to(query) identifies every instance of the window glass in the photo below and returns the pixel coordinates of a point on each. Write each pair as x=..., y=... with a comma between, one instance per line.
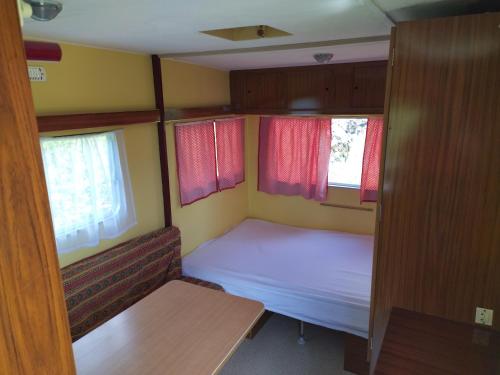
x=89, y=188
x=346, y=158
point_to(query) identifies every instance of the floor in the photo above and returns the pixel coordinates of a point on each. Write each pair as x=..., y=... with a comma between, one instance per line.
x=275, y=351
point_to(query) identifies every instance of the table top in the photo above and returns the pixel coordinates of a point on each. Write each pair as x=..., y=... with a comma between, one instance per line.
x=421, y=344
x=178, y=329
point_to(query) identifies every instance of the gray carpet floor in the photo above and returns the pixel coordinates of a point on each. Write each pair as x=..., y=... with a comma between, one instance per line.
x=275, y=351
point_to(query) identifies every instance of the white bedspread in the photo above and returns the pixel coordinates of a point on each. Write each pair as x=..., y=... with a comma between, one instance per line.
x=321, y=277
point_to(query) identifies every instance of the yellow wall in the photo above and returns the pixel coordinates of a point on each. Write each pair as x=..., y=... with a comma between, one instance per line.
x=97, y=80
x=295, y=210
x=94, y=80
x=187, y=85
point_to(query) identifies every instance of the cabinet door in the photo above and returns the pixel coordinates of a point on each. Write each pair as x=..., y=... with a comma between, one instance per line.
x=309, y=88
x=369, y=85
x=265, y=90
x=34, y=330
x=238, y=91
x=341, y=101
x=438, y=241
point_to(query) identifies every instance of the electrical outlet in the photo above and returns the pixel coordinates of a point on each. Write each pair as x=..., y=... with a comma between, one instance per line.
x=484, y=316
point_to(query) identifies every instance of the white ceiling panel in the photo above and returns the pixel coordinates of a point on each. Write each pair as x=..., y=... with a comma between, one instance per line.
x=173, y=27
x=167, y=26
x=296, y=57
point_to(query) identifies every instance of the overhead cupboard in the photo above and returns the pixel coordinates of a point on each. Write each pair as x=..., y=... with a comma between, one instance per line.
x=348, y=88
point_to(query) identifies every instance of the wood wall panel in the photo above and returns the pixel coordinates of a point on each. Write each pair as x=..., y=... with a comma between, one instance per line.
x=95, y=120
x=439, y=237
x=34, y=331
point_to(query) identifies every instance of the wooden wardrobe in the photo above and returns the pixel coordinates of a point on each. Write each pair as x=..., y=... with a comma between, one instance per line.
x=438, y=232
x=34, y=331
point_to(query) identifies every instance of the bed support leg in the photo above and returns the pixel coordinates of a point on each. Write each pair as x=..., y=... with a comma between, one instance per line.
x=301, y=339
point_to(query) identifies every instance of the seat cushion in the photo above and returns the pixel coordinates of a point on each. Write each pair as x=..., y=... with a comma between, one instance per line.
x=101, y=286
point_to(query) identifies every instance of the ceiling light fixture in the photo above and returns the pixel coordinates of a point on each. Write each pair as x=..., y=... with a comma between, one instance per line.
x=323, y=58
x=44, y=10
x=261, y=31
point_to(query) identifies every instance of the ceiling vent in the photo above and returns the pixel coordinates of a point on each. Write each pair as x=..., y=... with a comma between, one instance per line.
x=247, y=33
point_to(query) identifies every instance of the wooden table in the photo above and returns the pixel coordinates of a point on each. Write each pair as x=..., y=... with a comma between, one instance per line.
x=178, y=329
x=418, y=344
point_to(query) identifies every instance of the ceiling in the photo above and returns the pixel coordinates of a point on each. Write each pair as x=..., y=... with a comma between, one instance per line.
x=172, y=28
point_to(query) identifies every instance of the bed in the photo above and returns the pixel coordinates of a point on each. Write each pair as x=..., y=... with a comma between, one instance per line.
x=317, y=276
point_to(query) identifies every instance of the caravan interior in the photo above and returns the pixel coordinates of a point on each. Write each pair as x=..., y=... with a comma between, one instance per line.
x=235, y=187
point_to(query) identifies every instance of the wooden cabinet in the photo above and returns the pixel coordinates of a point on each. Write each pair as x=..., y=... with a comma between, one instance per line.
x=368, y=85
x=265, y=89
x=353, y=88
x=309, y=88
x=34, y=330
x=438, y=241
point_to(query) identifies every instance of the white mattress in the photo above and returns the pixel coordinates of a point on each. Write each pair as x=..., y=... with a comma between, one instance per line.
x=318, y=276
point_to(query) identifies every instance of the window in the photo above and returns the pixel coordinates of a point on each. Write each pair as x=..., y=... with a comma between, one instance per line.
x=89, y=188
x=346, y=158
x=210, y=157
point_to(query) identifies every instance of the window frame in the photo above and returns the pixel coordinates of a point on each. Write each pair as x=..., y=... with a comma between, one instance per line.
x=341, y=185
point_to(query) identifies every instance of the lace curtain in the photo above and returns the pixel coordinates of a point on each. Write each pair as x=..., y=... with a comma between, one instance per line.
x=89, y=188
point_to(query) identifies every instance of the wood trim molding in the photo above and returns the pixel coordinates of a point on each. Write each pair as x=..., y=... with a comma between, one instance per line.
x=173, y=114
x=162, y=139
x=95, y=120
x=34, y=330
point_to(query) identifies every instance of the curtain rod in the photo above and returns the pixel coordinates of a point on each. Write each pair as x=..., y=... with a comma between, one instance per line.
x=200, y=120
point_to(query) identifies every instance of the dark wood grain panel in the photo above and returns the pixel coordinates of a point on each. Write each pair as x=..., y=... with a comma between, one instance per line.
x=34, y=332
x=355, y=354
x=307, y=112
x=172, y=114
x=162, y=139
x=369, y=85
x=439, y=237
x=344, y=76
x=313, y=89
x=238, y=89
x=265, y=89
x=309, y=89
x=95, y=120
x=417, y=344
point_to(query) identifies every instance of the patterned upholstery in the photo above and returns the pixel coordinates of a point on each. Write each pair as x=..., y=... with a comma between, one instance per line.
x=101, y=286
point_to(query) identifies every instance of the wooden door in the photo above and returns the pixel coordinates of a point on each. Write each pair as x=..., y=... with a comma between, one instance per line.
x=439, y=237
x=34, y=332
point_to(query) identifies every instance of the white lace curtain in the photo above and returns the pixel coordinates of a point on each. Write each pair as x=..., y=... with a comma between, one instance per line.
x=89, y=188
